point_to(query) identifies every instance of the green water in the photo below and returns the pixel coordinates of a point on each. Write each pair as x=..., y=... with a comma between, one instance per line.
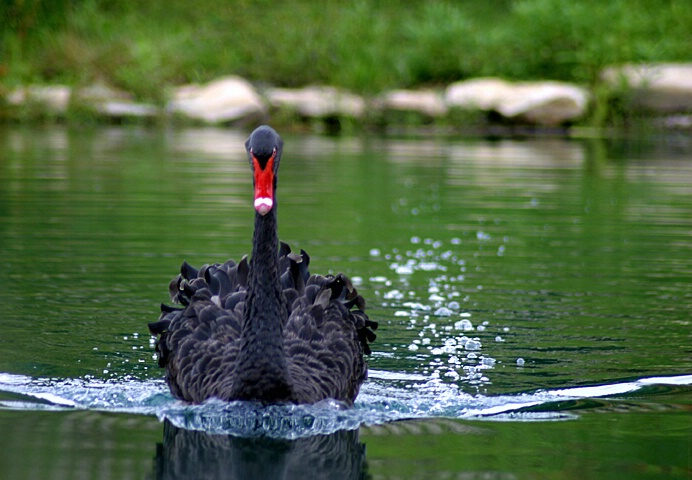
x=573, y=258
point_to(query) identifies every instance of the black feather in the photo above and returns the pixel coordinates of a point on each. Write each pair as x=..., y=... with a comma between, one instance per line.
x=263, y=330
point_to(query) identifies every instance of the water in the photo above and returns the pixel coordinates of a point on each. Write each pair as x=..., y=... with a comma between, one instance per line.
x=533, y=298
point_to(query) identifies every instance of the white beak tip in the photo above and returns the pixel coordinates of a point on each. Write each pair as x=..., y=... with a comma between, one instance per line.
x=263, y=205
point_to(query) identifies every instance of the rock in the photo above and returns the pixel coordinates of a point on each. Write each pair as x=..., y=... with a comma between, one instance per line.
x=478, y=94
x=128, y=110
x=542, y=103
x=113, y=103
x=227, y=99
x=662, y=87
x=317, y=102
x=54, y=98
x=425, y=102
x=680, y=122
x=546, y=103
x=99, y=93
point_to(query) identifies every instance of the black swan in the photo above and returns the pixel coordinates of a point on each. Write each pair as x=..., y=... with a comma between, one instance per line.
x=264, y=330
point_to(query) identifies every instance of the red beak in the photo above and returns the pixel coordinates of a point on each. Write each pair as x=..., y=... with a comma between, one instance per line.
x=264, y=184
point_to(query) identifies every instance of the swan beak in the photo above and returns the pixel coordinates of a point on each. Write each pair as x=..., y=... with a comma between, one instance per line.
x=264, y=185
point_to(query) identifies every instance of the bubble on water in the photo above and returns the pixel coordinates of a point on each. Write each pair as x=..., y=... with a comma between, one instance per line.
x=488, y=361
x=520, y=361
x=378, y=279
x=499, y=339
x=394, y=294
x=417, y=306
x=454, y=305
x=480, y=328
x=473, y=345
x=443, y=312
x=375, y=252
x=415, y=239
x=431, y=266
x=402, y=313
x=480, y=235
x=413, y=347
x=403, y=270
x=464, y=325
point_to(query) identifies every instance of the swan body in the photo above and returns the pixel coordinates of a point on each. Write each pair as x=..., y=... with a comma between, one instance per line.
x=265, y=329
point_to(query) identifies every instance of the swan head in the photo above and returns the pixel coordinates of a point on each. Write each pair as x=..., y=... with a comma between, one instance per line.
x=264, y=148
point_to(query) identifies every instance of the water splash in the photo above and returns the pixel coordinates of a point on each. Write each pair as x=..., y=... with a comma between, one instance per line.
x=443, y=336
x=421, y=397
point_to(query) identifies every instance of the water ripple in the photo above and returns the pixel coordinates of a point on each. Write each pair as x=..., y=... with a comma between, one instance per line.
x=378, y=403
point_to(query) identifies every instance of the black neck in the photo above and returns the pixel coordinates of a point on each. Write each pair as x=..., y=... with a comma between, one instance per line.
x=264, y=284
x=265, y=314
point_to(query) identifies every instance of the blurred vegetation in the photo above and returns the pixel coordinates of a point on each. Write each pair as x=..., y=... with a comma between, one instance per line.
x=365, y=45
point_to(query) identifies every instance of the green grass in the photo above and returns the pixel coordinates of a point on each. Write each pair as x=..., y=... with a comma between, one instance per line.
x=367, y=45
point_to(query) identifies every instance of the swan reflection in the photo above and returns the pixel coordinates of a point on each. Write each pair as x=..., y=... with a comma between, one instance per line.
x=195, y=454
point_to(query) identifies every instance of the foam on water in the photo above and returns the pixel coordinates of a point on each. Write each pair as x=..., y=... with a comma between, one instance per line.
x=379, y=402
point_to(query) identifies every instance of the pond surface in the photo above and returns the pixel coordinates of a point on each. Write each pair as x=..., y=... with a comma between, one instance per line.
x=534, y=300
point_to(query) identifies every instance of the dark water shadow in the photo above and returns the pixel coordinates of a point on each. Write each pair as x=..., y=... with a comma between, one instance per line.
x=199, y=455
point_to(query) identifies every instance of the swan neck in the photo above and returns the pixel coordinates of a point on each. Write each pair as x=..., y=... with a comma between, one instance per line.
x=264, y=263
x=265, y=313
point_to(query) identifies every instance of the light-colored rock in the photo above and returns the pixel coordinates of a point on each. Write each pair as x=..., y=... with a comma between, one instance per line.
x=317, y=101
x=113, y=103
x=664, y=87
x=426, y=102
x=542, y=103
x=478, y=93
x=546, y=103
x=227, y=99
x=681, y=122
x=54, y=98
x=99, y=93
x=116, y=109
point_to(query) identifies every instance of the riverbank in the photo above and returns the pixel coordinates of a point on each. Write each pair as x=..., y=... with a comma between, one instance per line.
x=656, y=95
x=383, y=57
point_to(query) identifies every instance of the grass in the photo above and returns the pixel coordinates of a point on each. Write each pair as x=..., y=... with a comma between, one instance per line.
x=367, y=45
